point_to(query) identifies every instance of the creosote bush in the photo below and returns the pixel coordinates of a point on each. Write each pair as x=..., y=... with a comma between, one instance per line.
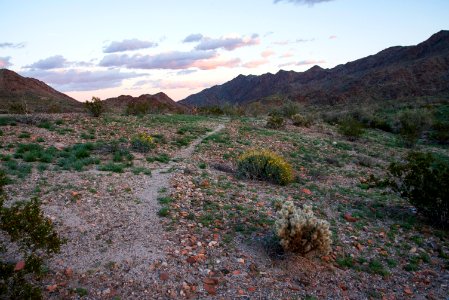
x=412, y=123
x=351, y=128
x=143, y=142
x=302, y=120
x=301, y=232
x=264, y=165
x=95, y=107
x=26, y=226
x=275, y=122
x=423, y=179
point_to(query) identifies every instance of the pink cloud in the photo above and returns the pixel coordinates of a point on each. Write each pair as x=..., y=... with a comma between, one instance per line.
x=210, y=64
x=255, y=63
x=287, y=54
x=267, y=53
x=4, y=62
x=332, y=37
x=228, y=43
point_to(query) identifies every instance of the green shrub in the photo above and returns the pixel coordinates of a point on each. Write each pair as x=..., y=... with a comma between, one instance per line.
x=302, y=120
x=162, y=158
x=301, y=232
x=440, y=132
x=423, y=179
x=275, y=122
x=351, y=128
x=18, y=108
x=143, y=142
x=26, y=226
x=138, y=108
x=112, y=167
x=264, y=165
x=95, y=107
x=412, y=123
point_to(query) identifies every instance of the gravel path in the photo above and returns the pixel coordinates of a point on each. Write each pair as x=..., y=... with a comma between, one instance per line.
x=107, y=231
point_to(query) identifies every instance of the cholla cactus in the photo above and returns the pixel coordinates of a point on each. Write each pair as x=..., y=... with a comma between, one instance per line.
x=301, y=232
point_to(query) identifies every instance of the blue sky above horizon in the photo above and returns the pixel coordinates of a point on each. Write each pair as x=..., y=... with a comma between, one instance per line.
x=108, y=48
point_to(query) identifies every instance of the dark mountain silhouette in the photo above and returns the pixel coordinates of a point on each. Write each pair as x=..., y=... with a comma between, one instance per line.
x=159, y=102
x=394, y=73
x=33, y=95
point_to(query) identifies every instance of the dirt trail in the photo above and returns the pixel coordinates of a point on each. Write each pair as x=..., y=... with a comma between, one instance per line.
x=109, y=232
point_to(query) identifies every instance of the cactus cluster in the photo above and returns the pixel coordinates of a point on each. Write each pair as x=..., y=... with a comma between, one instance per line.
x=301, y=232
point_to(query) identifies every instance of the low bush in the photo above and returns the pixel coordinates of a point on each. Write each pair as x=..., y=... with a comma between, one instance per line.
x=412, y=123
x=302, y=120
x=95, y=107
x=26, y=226
x=138, y=108
x=423, y=179
x=351, y=128
x=275, y=122
x=143, y=142
x=440, y=132
x=301, y=232
x=264, y=165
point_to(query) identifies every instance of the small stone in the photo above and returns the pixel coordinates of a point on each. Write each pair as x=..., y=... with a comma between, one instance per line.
x=52, y=288
x=19, y=266
x=210, y=289
x=163, y=276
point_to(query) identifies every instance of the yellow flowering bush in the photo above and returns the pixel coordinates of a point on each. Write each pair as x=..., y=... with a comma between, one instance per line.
x=264, y=165
x=143, y=142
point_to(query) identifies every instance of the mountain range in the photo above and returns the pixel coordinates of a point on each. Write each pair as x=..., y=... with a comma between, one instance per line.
x=159, y=102
x=394, y=73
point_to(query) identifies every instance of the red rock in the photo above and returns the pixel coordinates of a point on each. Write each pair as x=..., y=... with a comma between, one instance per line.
x=306, y=191
x=52, y=288
x=251, y=289
x=19, y=266
x=236, y=272
x=210, y=289
x=191, y=259
x=68, y=272
x=210, y=281
x=350, y=218
x=163, y=276
x=408, y=291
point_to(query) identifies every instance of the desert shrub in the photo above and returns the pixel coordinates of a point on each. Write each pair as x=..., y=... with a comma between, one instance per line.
x=26, y=226
x=302, y=120
x=423, y=179
x=289, y=108
x=18, y=108
x=143, y=142
x=264, y=165
x=351, y=128
x=412, y=123
x=95, y=107
x=138, y=108
x=275, y=122
x=440, y=132
x=301, y=232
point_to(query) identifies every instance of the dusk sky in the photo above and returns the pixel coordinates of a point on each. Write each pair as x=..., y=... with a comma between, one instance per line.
x=107, y=48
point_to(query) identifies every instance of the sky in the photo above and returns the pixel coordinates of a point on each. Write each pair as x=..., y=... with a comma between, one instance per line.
x=107, y=48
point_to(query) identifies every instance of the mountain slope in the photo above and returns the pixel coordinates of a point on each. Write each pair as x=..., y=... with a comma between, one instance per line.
x=158, y=102
x=394, y=73
x=34, y=94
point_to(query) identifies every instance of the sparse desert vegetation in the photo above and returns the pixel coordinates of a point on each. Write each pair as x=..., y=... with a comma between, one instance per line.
x=244, y=210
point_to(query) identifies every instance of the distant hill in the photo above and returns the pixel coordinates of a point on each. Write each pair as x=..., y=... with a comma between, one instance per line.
x=159, y=102
x=36, y=96
x=394, y=73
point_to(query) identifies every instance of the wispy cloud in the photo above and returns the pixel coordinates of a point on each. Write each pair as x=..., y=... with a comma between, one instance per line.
x=255, y=63
x=302, y=63
x=332, y=37
x=287, y=54
x=304, y=40
x=128, y=45
x=228, y=43
x=307, y=2
x=186, y=72
x=175, y=60
x=52, y=62
x=173, y=85
x=5, y=62
x=76, y=80
x=12, y=45
x=194, y=37
x=267, y=53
